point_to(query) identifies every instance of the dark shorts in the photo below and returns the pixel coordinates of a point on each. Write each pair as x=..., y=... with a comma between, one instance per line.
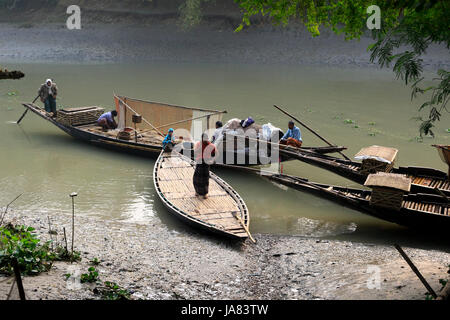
x=201, y=179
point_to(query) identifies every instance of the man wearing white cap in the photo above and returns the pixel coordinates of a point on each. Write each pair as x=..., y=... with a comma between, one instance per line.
x=47, y=93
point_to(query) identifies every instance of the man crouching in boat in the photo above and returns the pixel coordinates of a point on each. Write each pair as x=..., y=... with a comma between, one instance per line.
x=47, y=93
x=106, y=120
x=204, y=152
x=168, y=142
x=293, y=136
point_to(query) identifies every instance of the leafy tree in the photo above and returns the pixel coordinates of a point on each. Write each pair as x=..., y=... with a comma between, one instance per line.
x=408, y=28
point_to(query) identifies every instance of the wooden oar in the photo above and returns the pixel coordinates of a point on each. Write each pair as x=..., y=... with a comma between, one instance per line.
x=26, y=110
x=311, y=130
x=245, y=227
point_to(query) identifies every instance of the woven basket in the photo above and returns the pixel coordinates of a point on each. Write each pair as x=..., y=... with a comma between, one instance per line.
x=387, y=198
x=79, y=116
x=373, y=166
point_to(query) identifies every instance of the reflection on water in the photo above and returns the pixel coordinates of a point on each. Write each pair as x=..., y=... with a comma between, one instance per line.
x=48, y=165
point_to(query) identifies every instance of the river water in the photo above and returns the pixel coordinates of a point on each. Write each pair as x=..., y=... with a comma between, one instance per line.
x=47, y=165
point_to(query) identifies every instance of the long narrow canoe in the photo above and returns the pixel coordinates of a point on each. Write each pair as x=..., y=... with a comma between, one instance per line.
x=423, y=179
x=223, y=212
x=423, y=211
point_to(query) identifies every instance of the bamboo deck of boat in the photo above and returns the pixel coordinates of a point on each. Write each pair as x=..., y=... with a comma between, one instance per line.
x=422, y=179
x=173, y=178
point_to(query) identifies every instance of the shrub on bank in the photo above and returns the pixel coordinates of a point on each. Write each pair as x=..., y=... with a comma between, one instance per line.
x=20, y=243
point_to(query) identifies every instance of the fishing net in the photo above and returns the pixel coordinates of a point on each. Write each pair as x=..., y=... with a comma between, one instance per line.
x=165, y=116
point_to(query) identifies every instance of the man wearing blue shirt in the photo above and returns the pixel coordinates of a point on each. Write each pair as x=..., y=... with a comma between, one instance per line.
x=168, y=140
x=292, y=137
x=106, y=120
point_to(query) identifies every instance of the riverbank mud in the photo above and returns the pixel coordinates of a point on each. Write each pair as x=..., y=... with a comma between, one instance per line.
x=153, y=262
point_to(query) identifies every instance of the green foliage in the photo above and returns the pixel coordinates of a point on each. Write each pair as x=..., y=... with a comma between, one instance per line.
x=112, y=291
x=408, y=27
x=20, y=243
x=61, y=253
x=108, y=290
x=95, y=262
x=91, y=276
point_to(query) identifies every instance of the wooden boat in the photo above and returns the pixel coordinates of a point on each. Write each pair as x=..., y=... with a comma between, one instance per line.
x=246, y=156
x=424, y=211
x=5, y=74
x=148, y=142
x=223, y=212
x=149, y=145
x=444, y=153
x=424, y=180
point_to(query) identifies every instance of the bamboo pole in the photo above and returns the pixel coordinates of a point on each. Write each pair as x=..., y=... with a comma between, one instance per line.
x=311, y=130
x=23, y=115
x=416, y=271
x=145, y=120
x=282, y=147
x=192, y=119
x=244, y=226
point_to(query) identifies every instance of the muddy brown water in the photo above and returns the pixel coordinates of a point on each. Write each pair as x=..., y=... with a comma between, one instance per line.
x=47, y=165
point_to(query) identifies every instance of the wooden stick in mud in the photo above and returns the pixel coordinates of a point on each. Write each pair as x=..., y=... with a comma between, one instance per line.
x=73, y=195
x=18, y=279
x=50, y=231
x=145, y=120
x=311, y=130
x=6, y=210
x=65, y=239
x=416, y=271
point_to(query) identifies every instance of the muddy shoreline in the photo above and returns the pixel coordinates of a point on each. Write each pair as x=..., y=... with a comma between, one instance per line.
x=154, y=262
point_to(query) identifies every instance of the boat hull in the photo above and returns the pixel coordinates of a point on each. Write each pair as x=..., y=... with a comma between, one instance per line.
x=359, y=201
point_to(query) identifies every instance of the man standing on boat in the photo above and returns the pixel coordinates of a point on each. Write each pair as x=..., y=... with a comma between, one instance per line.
x=106, y=120
x=204, y=152
x=47, y=93
x=293, y=137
